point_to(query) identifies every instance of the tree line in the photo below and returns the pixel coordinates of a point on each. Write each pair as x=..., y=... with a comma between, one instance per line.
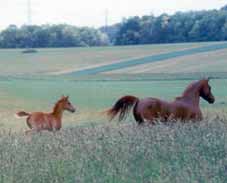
x=181, y=27
x=51, y=36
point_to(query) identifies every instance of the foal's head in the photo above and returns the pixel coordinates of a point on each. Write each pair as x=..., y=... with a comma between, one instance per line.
x=65, y=104
x=205, y=91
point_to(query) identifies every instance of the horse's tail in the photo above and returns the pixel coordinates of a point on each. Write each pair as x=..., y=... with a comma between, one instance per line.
x=22, y=114
x=122, y=107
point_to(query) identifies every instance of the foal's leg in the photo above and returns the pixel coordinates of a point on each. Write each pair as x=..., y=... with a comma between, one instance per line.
x=33, y=130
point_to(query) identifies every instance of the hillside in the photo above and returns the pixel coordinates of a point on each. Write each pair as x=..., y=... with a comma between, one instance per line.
x=63, y=61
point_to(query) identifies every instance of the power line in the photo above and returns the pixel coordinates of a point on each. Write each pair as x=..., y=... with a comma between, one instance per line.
x=29, y=22
x=29, y=13
x=106, y=19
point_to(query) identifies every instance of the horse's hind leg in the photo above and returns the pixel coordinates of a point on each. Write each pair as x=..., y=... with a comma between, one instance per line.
x=137, y=115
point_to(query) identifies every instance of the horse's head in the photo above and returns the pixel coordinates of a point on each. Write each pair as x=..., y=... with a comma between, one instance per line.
x=66, y=104
x=205, y=91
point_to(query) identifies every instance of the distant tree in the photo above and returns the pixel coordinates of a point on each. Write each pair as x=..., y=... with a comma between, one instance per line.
x=110, y=32
x=129, y=32
x=224, y=8
x=9, y=37
x=146, y=31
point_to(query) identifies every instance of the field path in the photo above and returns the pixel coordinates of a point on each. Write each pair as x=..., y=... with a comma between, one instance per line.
x=148, y=59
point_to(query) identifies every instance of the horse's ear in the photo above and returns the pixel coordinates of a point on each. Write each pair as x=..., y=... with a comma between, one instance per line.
x=67, y=97
x=209, y=78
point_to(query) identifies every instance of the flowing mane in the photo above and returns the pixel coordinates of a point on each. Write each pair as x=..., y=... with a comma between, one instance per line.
x=191, y=88
x=194, y=85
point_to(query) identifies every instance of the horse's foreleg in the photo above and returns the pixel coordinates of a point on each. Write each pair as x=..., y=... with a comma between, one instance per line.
x=196, y=117
x=199, y=117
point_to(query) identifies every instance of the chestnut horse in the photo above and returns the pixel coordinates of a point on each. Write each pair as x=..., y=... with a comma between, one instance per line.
x=185, y=107
x=38, y=121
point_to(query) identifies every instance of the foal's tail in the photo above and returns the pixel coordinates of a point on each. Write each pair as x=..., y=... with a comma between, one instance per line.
x=22, y=114
x=122, y=107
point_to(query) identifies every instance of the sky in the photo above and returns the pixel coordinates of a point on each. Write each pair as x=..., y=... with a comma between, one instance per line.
x=92, y=12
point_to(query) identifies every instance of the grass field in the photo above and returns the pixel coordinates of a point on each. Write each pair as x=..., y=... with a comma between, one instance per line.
x=55, y=61
x=90, y=149
x=123, y=153
x=203, y=62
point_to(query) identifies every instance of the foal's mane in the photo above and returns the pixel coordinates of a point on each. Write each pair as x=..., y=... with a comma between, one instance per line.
x=56, y=105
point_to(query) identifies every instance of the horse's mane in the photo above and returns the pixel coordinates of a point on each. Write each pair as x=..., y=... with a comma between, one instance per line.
x=188, y=89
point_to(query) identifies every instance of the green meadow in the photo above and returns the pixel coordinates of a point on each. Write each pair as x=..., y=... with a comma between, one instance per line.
x=91, y=149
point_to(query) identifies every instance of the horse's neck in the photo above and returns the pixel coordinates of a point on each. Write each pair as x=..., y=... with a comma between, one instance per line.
x=191, y=95
x=57, y=111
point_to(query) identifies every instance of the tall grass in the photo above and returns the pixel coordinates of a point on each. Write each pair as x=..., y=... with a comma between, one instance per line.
x=190, y=152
